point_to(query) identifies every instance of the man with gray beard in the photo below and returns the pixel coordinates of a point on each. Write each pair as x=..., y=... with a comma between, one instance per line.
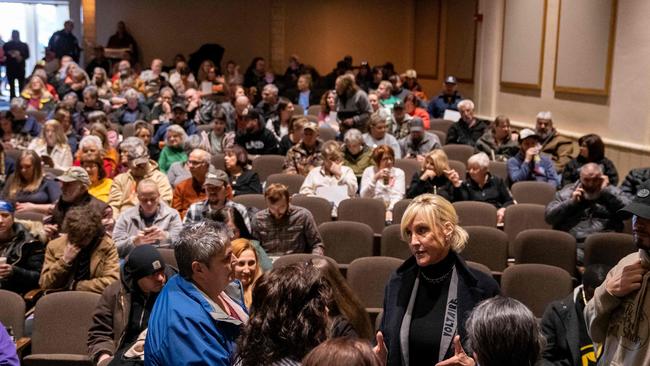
x=587, y=206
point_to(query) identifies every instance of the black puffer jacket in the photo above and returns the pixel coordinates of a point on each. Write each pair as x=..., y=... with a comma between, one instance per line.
x=26, y=254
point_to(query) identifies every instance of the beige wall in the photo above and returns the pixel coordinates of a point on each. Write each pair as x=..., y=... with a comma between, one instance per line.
x=622, y=119
x=166, y=27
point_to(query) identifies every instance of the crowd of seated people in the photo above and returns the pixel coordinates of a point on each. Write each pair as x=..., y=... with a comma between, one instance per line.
x=115, y=162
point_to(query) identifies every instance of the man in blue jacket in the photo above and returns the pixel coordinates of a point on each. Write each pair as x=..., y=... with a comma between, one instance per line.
x=529, y=163
x=198, y=315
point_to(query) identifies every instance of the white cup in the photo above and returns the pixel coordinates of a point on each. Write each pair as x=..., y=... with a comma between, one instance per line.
x=3, y=260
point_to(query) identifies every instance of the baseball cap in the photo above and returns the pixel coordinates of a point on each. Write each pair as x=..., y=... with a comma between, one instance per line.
x=640, y=204
x=398, y=105
x=6, y=206
x=526, y=133
x=179, y=106
x=450, y=80
x=310, y=126
x=138, y=154
x=144, y=260
x=416, y=125
x=216, y=177
x=75, y=174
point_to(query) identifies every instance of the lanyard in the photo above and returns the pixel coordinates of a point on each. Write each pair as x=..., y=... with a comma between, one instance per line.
x=449, y=325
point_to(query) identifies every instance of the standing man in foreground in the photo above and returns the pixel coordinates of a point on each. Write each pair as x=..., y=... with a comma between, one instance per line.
x=617, y=316
x=198, y=315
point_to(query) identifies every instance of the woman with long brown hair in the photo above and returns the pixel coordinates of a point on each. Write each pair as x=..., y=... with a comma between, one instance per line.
x=28, y=187
x=53, y=143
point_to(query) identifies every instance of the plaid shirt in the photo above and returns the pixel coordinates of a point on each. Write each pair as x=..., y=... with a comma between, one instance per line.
x=300, y=161
x=197, y=211
x=296, y=232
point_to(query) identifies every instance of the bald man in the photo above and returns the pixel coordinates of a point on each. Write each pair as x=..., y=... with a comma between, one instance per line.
x=191, y=189
x=587, y=206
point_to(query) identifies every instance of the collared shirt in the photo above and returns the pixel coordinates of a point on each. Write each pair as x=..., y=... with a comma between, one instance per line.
x=300, y=161
x=296, y=232
x=198, y=210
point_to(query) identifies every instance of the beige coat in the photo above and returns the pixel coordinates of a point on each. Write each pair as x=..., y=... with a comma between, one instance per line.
x=123, y=195
x=104, y=267
x=610, y=321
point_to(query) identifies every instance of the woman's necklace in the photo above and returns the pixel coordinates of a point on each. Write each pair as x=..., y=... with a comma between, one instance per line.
x=436, y=280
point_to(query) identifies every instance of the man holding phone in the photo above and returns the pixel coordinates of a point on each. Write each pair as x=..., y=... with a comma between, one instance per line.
x=617, y=315
x=529, y=163
x=587, y=206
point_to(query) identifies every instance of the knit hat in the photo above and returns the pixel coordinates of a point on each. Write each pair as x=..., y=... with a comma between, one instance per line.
x=144, y=260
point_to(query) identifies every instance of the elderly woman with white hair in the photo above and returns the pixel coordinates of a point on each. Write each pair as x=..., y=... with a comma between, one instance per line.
x=356, y=154
x=133, y=110
x=481, y=185
x=91, y=145
x=428, y=297
x=174, y=148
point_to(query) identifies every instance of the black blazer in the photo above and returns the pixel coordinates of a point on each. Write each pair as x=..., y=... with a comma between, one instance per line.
x=561, y=329
x=473, y=287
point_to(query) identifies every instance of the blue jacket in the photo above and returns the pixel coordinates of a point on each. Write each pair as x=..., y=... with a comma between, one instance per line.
x=184, y=329
x=189, y=127
x=519, y=170
x=439, y=104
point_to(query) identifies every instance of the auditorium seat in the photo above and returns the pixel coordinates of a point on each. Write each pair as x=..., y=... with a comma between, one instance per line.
x=459, y=167
x=399, y=208
x=346, y=241
x=292, y=181
x=536, y=285
x=289, y=259
x=251, y=200
x=392, y=244
x=368, y=278
x=369, y=211
x=523, y=216
x=458, y=152
x=410, y=167
x=440, y=124
x=442, y=136
x=265, y=165
x=541, y=193
x=319, y=207
x=488, y=246
x=499, y=169
x=61, y=323
x=326, y=134
x=476, y=213
x=313, y=110
x=545, y=246
x=608, y=248
x=12, y=312
x=167, y=255
x=218, y=161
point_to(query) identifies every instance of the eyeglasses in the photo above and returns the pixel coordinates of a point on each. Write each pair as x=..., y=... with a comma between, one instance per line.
x=195, y=163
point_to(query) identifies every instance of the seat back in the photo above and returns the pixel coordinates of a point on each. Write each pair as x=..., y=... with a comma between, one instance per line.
x=479, y=267
x=369, y=211
x=289, y=259
x=499, y=169
x=440, y=124
x=458, y=152
x=346, y=241
x=168, y=256
x=265, y=165
x=313, y=110
x=608, y=248
x=292, y=181
x=326, y=133
x=320, y=208
x=30, y=216
x=368, y=278
x=218, y=161
x=12, y=312
x=488, y=246
x=540, y=193
x=392, y=244
x=442, y=136
x=476, y=213
x=298, y=110
x=61, y=322
x=536, y=285
x=410, y=167
x=545, y=246
x=399, y=208
x=251, y=200
x=459, y=167
x=523, y=216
